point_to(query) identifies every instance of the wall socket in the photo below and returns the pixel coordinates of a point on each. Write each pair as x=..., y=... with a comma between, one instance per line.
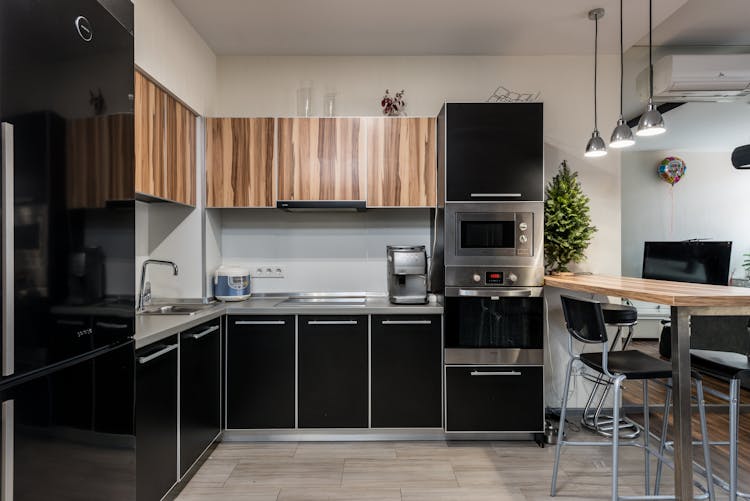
x=267, y=271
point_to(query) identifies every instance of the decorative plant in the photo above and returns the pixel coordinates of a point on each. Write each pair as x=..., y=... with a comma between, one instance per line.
x=567, y=223
x=393, y=106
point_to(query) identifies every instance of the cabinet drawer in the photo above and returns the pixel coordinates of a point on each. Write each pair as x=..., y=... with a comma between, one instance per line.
x=494, y=398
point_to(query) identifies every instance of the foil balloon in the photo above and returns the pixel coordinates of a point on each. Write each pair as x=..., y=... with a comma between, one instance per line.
x=672, y=169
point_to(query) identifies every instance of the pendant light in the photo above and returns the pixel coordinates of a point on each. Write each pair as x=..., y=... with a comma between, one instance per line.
x=622, y=136
x=651, y=122
x=595, y=147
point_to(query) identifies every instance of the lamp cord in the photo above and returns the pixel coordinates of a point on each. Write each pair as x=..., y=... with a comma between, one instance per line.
x=650, y=49
x=596, y=51
x=622, y=70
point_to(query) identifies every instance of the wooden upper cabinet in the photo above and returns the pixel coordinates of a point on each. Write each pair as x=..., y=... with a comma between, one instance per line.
x=322, y=159
x=239, y=162
x=150, y=129
x=180, y=159
x=401, y=162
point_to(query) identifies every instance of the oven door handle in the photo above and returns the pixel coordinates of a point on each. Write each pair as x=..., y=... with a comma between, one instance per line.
x=505, y=292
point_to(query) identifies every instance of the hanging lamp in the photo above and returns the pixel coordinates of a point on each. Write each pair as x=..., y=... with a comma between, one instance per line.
x=651, y=122
x=595, y=147
x=622, y=136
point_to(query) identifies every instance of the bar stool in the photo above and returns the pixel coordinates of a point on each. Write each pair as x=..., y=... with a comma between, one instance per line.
x=621, y=316
x=584, y=321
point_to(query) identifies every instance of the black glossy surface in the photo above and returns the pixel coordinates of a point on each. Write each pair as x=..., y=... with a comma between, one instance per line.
x=260, y=373
x=156, y=422
x=50, y=77
x=494, y=148
x=71, y=440
x=633, y=364
x=494, y=403
x=406, y=372
x=200, y=384
x=333, y=368
x=476, y=322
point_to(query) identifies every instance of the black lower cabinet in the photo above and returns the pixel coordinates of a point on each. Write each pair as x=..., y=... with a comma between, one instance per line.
x=156, y=419
x=406, y=371
x=501, y=399
x=333, y=372
x=260, y=381
x=200, y=386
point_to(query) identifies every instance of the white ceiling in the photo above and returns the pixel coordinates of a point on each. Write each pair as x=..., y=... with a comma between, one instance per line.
x=416, y=27
x=701, y=127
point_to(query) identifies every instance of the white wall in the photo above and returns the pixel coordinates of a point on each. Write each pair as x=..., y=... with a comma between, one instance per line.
x=712, y=201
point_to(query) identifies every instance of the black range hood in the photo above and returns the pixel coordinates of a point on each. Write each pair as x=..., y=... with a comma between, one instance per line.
x=322, y=205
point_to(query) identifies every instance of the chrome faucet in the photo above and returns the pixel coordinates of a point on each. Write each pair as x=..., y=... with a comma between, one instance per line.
x=144, y=296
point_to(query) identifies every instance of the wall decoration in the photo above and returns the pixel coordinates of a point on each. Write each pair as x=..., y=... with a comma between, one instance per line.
x=393, y=106
x=672, y=169
x=504, y=95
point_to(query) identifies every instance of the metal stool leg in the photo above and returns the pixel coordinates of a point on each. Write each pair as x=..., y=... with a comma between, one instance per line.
x=616, y=384
x=561, y=428
x=734, y=414
x=647, y=455
x=704, y=439
x=663, y=440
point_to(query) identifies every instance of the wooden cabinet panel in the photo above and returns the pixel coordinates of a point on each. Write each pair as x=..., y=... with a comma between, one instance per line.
x=401, y=162
x=150, y=129
x=239, y=162
x=322, y=159
x=180, y=157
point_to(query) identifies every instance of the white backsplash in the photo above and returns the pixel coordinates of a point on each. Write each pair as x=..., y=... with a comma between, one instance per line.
x=320, y=251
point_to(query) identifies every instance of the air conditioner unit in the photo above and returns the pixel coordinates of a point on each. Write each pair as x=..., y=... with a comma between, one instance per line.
x=698, y=78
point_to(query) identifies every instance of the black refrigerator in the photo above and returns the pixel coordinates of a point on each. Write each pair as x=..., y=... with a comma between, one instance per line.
x=68, y=250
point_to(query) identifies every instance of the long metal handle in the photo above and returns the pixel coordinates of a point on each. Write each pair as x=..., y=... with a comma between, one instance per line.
x=493, y=195
x=406, y=322
x=163, y=351
x=109, y=325
x=205, y=332
x=332, y=322
x=494, y=292
x=8, y=264
x=6, y=473
x=76, y=323
x=260, y=322
x=504, y=373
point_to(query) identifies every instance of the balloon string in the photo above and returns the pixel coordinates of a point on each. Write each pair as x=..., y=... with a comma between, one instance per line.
x=671, y=217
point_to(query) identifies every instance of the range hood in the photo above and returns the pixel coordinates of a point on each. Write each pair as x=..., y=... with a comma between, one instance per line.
x=322, y=205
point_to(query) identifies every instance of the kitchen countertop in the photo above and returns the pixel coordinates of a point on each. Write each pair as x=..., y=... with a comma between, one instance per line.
x=152, y=328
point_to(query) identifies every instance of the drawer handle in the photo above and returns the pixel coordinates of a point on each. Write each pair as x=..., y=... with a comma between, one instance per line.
x=485, y=195
x=332, y=322
x=259, y=322
x=163, y=351
x=406, y=322
x=206, y=332
x=109, y=325
x=502, y=373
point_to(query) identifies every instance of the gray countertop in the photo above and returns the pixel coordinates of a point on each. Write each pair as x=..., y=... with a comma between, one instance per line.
x=152, y=328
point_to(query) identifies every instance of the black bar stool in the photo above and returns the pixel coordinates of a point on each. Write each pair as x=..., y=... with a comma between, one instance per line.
x=585, y=323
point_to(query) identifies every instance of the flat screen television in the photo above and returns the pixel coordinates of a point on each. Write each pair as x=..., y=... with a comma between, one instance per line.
x=688, y=261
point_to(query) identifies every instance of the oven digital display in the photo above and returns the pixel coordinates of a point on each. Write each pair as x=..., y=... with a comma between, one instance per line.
x=493, y=277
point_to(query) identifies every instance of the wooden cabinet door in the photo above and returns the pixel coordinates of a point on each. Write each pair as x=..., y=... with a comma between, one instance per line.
x=401, y=162
x=239, y=162
x=322, y=159
x=180, y=157
x=150, y=116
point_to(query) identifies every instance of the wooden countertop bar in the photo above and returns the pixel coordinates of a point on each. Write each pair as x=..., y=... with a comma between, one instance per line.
x=654, y=291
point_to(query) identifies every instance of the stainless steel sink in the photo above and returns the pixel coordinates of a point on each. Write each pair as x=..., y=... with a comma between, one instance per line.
x=323, y=301
x=175, y=309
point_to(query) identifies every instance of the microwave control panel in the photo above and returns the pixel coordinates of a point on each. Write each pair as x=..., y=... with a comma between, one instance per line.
x=524, y=230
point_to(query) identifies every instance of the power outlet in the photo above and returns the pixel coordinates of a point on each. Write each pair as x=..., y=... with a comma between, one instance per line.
x=267, y=271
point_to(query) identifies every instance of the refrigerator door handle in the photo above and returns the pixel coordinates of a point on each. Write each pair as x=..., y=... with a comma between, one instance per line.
x=6, y=472
x=8, y=266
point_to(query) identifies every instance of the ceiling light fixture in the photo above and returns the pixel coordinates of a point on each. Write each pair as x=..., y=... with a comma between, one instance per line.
x=622, y=136
x=595, y=147
x=651, y=122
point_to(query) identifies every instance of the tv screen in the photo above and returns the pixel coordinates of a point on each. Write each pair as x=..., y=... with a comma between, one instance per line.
x=687, y=261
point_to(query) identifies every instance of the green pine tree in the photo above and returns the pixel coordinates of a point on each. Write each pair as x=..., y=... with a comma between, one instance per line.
x=567, y=223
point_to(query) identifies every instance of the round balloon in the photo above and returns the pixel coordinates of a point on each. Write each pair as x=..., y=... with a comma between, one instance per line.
x=672, y=169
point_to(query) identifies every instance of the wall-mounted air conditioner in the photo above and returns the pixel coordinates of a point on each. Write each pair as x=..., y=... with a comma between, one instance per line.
x=698, y=78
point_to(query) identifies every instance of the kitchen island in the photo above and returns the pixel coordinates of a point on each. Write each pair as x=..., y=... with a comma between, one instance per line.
x=685, y=300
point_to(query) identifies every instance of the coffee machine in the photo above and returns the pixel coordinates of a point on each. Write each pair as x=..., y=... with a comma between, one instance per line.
x=407, y=274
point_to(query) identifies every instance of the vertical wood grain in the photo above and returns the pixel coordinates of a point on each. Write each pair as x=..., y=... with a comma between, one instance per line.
x=150, y=111
x=180, y=167
x=322, y=159
x=240, y=162
x=401, y=162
